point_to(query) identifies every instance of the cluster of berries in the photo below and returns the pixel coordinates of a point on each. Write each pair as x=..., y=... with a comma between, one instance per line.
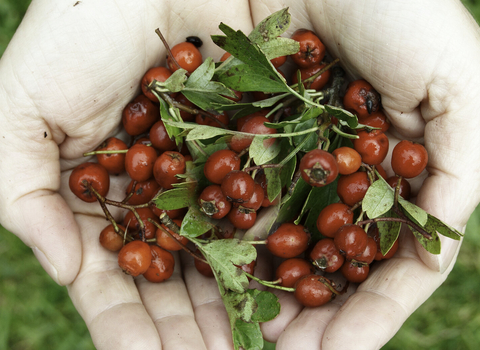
x=236, y=188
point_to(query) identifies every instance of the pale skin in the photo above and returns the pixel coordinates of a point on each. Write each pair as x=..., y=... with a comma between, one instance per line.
x=70, y=70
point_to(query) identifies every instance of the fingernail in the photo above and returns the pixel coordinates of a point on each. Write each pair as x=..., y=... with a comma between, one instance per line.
x=47, y=266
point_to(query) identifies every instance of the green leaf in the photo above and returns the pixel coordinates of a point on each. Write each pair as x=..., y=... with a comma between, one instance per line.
x=223, y=255
x=174, y=83
x=239, y=305
x=259, y=153
x=436, y=224
x=202, y=132
x=175, y=198
x=378, y=200
x=416, y=213
x=432, y=245
x=195, y=223
x=255, y=71
x=312, y=137
x=271, y=27
x=274, y=183
x=388, y=233
x=247, y=336
x=345, y=117
x=268, y=306
x=279, y=47
x=291, y=206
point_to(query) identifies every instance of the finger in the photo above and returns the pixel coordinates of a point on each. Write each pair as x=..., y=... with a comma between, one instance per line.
x=210, y=313
x=375, y=312
x=170, y=308
x=31, y=208
x=108, y=299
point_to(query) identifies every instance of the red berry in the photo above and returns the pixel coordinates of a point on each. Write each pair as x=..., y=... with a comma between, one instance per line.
x=242, y=219
x=134, y=258
x=219, y=164
x=161, y=266
x=404, y=189
x=351, y=240
x=111, y=240
x=139, y=162
x=288, y=241
x=332, y=217
x=326, y=255
x=361, y=98
x=312, y=291
x=318, y=168
x=187, y=56
x=159, y=74
x=92, y=174
x=168, y=243
x=291, y=270
x=348, y=160
x=160, y=139
x=312, y=50
x=213, y=202
x=409, y=159
x=238, y=186
x=355, y=273
x=113, y=162
x=372, y=146
x=167, y=166
x=139, y=115
x=352, y=188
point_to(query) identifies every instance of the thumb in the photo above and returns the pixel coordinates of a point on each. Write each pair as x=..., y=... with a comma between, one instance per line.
x=31, y=207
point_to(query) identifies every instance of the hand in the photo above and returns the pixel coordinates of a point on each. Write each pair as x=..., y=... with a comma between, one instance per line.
x=65, y=78
x=421, y=57
x=71, y=81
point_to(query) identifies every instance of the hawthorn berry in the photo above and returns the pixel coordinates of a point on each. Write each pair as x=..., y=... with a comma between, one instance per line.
x=288, y=241
x=409, y=159
x=162, y=265
x=332, y=217
x=291, y=270
x=186, y=55
x=139, y=162
x=219, y=164
x=167, y=167
x=113, y=162
x=312, y=51
x=313, y=291
x=89, y=174
x=134, y=258
x=318, y=168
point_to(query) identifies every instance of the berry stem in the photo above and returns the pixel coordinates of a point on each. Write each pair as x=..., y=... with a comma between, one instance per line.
x=269, y=284
x=93, y=153
x=167, y=47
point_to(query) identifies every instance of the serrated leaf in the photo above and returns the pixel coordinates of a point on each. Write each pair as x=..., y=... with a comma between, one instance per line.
x=436, y=224
x=195, y=223
x=378, y=200
x=175, y=198
x=223, y=255
x=388, y=233
x=416, y=213
x=279, y=47
x=271, y=27
x=255, y=71
x=261, y=154
x=175, y=82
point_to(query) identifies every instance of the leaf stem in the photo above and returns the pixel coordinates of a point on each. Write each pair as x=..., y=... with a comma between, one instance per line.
x=272, y=284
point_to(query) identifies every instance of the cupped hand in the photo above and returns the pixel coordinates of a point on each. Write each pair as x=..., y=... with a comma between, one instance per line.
x=72, y=67
x=67, y=74
x=421, y=57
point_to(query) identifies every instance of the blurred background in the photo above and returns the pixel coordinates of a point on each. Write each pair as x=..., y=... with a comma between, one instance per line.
x=37, y=314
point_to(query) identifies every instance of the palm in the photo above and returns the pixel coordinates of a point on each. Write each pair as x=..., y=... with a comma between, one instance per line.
x=78, y=66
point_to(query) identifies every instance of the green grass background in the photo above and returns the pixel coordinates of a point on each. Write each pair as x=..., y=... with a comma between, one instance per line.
x=37, y=314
